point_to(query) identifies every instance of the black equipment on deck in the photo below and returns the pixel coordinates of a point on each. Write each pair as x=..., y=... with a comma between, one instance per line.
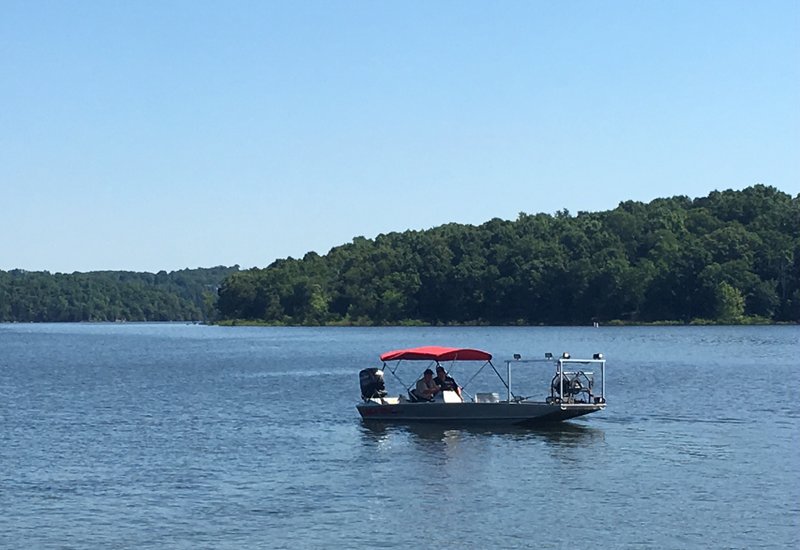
x=372, y=384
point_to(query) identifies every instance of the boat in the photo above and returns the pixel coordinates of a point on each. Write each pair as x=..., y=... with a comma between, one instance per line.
x=572, y=391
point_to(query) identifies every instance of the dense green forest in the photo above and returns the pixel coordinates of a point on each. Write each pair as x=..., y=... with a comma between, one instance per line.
x=185, y=295
x=730, y=257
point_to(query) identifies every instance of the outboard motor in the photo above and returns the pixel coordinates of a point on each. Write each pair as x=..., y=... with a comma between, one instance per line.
x=372, y=384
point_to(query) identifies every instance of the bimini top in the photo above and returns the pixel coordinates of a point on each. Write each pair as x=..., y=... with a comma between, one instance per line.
x=436, y=353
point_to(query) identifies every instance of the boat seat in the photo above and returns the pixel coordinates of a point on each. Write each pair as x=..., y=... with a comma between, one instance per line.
x=416, y=398
x=449, y=396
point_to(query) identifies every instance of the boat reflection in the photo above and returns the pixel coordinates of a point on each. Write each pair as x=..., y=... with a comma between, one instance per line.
x=560, y=434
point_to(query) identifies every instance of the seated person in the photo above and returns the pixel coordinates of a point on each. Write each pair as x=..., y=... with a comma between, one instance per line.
x=446, y=382
x=426, y=387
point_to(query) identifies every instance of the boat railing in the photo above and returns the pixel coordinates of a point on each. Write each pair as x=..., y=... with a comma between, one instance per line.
x=573, y=382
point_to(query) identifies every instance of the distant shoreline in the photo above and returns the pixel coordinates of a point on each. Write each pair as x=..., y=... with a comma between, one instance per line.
x=695, y=323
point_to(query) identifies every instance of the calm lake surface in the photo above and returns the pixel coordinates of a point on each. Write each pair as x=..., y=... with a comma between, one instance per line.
x=183, y=436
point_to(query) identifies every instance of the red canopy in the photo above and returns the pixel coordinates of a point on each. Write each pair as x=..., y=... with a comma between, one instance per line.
x=436, y=353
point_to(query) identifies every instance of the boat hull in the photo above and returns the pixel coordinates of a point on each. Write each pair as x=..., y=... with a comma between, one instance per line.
x=517, y=414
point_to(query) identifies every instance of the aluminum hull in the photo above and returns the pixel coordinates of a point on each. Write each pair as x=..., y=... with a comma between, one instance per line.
x=518, y=414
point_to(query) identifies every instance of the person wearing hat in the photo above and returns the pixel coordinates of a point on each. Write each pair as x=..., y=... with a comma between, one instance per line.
x=426, y=387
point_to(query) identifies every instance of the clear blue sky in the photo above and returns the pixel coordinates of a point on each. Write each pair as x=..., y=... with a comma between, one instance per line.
x=161, y=135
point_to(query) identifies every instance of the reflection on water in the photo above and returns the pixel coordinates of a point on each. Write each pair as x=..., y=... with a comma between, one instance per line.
x=564, y=434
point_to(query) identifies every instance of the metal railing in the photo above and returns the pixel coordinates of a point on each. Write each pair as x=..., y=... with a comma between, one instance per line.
x=569, y=382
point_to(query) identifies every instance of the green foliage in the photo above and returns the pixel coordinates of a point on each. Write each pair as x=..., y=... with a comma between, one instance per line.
x=733, y=256
x=185, y=295
x=730, y=257
x=729, y=303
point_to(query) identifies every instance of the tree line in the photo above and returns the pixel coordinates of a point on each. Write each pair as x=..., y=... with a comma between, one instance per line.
x=729, y=257
x=39, y=296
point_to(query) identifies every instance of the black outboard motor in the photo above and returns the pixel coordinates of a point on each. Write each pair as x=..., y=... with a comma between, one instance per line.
x=372, y=383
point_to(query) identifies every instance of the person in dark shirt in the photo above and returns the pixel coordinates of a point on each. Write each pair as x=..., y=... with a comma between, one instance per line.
x=446, y=382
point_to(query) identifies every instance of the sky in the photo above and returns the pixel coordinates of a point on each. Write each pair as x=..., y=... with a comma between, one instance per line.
x=162, y=135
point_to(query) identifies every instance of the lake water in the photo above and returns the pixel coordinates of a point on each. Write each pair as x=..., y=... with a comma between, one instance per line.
x=183, y=436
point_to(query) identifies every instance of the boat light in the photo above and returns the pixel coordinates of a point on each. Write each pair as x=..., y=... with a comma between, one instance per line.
x=565, y=355
x=597, y=356
x=548, y=355
x=517, y=356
